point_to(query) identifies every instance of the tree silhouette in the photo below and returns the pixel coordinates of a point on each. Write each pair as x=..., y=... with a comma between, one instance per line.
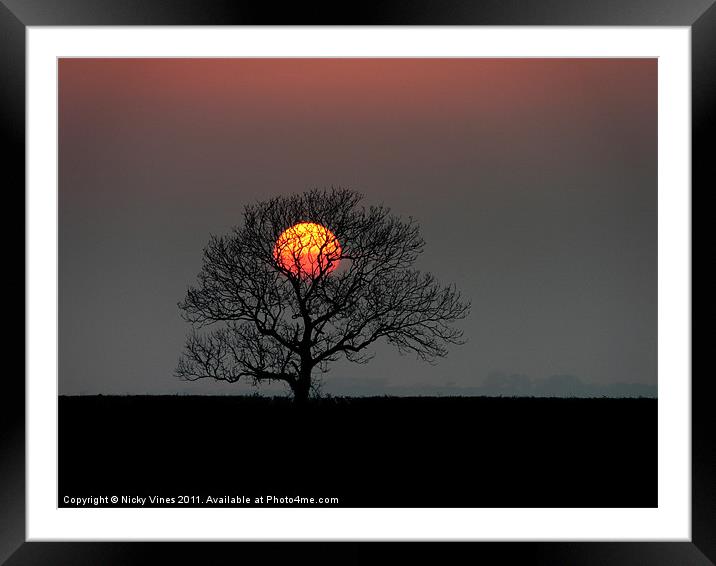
x=276, y=302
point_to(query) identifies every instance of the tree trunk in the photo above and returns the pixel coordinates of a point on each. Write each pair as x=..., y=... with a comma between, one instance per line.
x=302, y=386
x=300, y=395
x=301, y=390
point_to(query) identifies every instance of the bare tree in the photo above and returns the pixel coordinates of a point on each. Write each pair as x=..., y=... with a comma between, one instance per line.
x=262, y=313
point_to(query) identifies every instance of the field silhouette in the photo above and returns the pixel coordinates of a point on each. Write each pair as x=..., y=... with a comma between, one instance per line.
x=367, y=452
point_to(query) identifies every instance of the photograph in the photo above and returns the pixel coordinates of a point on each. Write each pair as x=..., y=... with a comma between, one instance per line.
x=308, y=282
x=419, y=282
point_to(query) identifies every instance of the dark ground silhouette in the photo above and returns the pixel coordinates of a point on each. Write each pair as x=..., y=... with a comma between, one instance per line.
x=368, y=452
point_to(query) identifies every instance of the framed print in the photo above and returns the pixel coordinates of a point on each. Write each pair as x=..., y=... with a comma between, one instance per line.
x=425, y=277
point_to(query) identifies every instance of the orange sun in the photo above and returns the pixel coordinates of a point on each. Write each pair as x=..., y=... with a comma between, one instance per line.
x=307, y=249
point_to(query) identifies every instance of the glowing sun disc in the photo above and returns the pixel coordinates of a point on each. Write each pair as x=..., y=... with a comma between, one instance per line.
x=307, y=249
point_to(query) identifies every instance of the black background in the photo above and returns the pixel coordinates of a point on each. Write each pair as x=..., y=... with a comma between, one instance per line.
x=368, y=452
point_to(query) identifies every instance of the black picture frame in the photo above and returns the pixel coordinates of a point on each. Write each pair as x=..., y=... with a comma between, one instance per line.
x=16, y=15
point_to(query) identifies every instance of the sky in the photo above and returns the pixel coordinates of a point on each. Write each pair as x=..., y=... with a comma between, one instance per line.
x=534, y=182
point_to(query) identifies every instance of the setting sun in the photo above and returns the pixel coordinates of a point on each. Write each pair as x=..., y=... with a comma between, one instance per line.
x=307, y=249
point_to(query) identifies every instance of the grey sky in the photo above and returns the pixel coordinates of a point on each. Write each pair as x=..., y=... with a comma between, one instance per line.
x=534, y=182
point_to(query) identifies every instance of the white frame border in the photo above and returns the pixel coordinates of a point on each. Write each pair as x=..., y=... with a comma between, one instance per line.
x=670, y=521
